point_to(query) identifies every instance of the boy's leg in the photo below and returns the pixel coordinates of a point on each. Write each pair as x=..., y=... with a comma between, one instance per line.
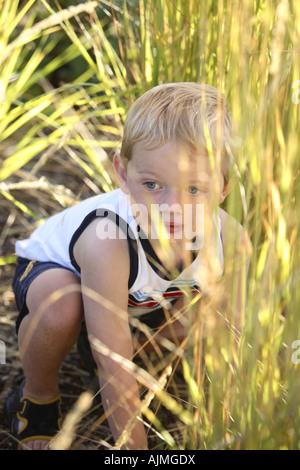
x=49, y=331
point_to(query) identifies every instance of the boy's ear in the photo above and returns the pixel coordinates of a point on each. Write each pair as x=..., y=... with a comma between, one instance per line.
x=225, y=191
x=227, y=188
x=120, y=172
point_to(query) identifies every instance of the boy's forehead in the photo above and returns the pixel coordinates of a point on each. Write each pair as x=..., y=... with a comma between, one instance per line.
x=147, y=158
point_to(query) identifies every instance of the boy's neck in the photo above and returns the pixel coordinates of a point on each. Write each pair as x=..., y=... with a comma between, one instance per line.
x=173, y=256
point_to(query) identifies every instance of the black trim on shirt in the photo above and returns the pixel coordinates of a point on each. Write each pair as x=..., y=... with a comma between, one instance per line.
x=156, y=264
x=123, y=225
x=152, y=258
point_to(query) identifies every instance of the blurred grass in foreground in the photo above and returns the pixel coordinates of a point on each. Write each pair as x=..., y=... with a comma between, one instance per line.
x=241, y=396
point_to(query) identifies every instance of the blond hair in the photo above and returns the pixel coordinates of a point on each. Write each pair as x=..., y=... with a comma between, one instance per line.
x=191, y=114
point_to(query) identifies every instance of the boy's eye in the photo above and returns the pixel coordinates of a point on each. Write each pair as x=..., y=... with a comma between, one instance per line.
x=193, y=190
x=152, y=185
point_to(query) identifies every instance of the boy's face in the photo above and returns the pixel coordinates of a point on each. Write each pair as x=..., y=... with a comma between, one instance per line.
x=168, y=180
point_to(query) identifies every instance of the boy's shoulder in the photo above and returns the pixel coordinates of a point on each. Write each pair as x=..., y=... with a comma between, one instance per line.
x=233, y=231
x=94, y=245
x=228, y=223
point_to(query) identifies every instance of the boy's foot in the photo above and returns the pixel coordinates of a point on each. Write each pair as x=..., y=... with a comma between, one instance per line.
x=32, y=423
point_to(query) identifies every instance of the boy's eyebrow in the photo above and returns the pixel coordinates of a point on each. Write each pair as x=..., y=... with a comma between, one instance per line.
x=203, y=177
x=147, y=172
x=205, y=180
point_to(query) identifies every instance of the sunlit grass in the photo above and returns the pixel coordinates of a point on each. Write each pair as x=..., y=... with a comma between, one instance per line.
x=242, y=387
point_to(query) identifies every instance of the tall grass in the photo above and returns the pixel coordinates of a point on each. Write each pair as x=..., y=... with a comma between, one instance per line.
x=237, y=395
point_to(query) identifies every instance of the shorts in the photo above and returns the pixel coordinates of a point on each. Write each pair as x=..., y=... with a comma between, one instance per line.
x=21, y=284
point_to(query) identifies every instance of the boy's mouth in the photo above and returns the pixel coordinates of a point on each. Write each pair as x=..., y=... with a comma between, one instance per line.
x=173, y=227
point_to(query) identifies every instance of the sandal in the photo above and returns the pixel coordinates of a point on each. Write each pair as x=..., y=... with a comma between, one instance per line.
x=42, y=420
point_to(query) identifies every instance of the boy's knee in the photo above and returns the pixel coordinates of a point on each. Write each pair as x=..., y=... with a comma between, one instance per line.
x=64, y=312
x=59, y=315
x=55, y=297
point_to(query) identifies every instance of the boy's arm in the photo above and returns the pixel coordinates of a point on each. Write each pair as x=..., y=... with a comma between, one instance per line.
x=105, y=271
x=237, y=246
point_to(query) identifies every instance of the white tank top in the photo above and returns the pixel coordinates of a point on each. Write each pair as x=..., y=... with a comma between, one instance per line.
x=148, y=290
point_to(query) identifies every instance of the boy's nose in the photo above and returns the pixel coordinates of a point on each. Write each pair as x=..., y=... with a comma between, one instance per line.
x=171, y=207
x=172, y=197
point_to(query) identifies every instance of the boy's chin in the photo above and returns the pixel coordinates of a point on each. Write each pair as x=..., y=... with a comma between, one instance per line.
x=193, y=243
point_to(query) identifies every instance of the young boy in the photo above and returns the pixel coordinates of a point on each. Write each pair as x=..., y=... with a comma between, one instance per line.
x=125, y=255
